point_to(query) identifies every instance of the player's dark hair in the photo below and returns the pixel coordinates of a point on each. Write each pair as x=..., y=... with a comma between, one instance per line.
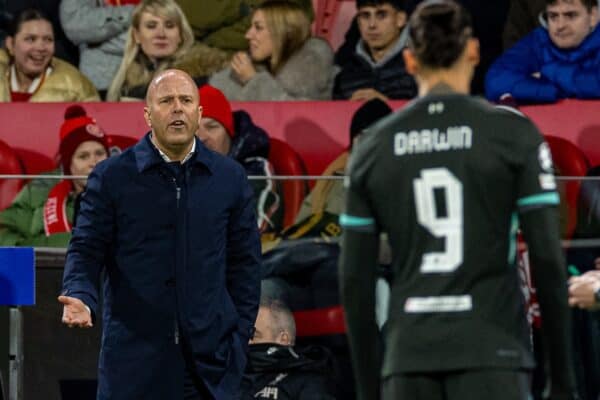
x=438, y=32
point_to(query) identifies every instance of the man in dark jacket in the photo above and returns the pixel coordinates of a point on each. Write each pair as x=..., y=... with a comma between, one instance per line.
x=376, y=68
x=173, y=226
x=553, y=63
x=233, y=134
x=277, y=370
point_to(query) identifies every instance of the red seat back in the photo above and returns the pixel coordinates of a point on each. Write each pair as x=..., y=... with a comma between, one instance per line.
x=9, y=165
x=33, y=162
x=569, y=160
x=287, y=162
x=118, y=143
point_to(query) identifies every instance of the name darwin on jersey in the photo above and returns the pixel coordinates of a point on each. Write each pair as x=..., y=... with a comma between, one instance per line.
x=433, y=140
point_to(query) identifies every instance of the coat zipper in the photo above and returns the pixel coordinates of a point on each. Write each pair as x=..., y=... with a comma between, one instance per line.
x=178, y=196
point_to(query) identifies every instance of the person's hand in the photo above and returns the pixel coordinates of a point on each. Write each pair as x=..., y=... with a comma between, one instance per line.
x=242, y=67
x=75, y=313
x=367, y=94
x=582, y=290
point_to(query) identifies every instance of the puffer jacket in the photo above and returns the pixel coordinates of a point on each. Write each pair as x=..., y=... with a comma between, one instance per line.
x=65, y=83
x=535, y=71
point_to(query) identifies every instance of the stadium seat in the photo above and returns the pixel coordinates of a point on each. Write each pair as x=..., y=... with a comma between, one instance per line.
x=287, y=162
x=118, y=143
x=569, y=160
x=332, y=19
x=33, y=162
x=11, y=165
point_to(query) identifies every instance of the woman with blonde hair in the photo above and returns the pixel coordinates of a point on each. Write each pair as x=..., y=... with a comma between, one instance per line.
x=159, y=38
x=284, y=62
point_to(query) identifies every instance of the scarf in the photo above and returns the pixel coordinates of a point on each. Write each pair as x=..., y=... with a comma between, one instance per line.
x=55, y=209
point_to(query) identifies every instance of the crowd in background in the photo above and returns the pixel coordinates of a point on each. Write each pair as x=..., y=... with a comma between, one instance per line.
x=262, y=50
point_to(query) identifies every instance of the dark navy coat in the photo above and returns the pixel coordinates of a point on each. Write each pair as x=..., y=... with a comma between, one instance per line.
x=571, y=73
x=181, y=253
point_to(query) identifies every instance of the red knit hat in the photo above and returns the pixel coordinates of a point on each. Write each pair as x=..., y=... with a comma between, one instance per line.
x=76, y=129
x=216, y=106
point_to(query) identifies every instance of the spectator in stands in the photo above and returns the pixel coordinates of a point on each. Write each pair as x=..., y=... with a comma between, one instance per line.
x=28, y=70
x=64, y=48
x=278, y=370
x=328, y=195
x=99, y=28
x=549, y=64
x=234, y=134
x=523, y=17
x=159, y=38
x=376, y=68
x=284, y=63
x=220, y=25
x=42, y=213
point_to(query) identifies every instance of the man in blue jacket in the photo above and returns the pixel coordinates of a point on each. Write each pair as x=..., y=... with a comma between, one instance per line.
x=172, y=224
x=562, y=61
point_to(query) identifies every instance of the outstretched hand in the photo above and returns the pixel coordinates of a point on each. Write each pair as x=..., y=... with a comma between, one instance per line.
x=75, y=313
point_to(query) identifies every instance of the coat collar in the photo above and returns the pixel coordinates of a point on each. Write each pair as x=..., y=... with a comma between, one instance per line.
x=147, y=156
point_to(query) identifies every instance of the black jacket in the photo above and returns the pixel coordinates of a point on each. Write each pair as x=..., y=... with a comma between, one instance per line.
x=391, y=78
x=284, y=373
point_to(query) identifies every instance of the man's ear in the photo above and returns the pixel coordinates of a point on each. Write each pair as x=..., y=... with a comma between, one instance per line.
x=401, y=18
x=473, y=54
x=410, y=61
x=594, y=18
x=147, y=116
x=285, y=339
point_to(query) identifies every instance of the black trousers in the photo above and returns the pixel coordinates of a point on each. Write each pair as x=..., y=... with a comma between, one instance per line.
x=481, y=384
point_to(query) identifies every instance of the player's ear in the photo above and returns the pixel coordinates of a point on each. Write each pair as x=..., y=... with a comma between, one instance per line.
x=410, y=61
x=472, y=50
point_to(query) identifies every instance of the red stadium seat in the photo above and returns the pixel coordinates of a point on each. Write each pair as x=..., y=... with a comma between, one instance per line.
x=118, y=143
x=287, y=162
x=320, y=322
x=569, y=160
x=9, y=165
x=332, y=19
x=33, y=162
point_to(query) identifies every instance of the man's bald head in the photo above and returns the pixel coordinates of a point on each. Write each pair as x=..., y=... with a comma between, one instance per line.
x=172, y=112
x=166, y=77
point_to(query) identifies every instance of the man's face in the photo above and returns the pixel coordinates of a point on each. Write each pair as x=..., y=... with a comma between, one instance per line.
x=172, y=111
x=380, y=25
x=214, y=136
x=264, y=331
x=570, y=22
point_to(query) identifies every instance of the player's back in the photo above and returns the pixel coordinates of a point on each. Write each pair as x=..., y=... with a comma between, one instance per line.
x=443, y=178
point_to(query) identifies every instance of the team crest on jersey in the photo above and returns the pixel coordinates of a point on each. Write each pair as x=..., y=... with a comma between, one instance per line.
x=545, y=157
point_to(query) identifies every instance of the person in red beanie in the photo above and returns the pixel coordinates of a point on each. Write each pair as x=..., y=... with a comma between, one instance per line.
x=42, y=213
x=233, y=133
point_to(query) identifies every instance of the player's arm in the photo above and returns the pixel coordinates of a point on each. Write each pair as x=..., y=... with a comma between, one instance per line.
x=537, y=204
x=541, y=231
x=358, y=263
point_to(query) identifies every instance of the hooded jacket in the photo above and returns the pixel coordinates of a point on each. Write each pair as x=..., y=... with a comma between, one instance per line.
x=286, y=373
x=250, y=147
